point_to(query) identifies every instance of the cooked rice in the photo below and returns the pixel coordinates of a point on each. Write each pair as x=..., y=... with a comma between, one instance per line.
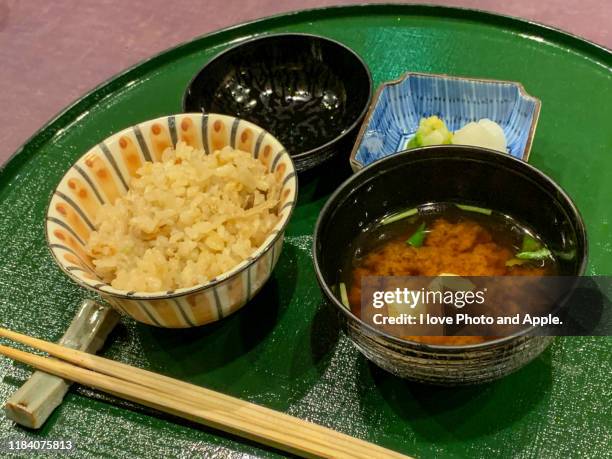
x=185, y=220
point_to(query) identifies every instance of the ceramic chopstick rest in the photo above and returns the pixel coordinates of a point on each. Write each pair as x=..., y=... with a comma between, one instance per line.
x=32, y=404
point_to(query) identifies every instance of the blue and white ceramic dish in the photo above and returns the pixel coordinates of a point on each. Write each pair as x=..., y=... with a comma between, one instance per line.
x=399, y=105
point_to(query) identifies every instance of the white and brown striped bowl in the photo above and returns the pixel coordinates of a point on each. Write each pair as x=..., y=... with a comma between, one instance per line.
x=104, y=173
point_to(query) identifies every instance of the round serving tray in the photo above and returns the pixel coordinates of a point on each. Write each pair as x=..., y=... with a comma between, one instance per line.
x=284, y=350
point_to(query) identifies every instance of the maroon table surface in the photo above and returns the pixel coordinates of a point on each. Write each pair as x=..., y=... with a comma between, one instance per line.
x=51, y=52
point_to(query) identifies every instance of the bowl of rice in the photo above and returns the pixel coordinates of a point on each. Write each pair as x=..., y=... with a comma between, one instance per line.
x=177, y=221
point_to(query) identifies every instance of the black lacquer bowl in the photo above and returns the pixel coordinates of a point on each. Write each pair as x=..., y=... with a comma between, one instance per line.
x=308, y=91
x=436, y=174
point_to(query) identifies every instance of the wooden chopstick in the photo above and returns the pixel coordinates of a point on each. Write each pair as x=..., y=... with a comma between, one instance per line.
x=194, y=403
x=187, y=392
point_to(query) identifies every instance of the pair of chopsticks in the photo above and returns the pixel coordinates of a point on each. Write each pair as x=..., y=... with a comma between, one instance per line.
x=191, y=402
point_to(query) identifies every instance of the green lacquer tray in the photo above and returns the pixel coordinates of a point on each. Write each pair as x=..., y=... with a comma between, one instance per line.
x=284, y=350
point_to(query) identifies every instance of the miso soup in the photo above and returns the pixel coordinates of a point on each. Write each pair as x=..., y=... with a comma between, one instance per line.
x=444, y=238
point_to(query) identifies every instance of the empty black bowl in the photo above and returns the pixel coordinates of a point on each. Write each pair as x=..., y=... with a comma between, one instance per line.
x=310, y=92
x=440, y=174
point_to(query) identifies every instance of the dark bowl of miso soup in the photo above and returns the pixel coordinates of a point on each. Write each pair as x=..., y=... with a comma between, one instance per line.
x=439, y=211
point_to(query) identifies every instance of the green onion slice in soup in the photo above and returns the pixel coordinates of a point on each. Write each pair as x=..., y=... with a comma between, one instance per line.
x=417, y=239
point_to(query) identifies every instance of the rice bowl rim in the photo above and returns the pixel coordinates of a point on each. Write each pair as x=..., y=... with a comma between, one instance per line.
x=275, y=233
